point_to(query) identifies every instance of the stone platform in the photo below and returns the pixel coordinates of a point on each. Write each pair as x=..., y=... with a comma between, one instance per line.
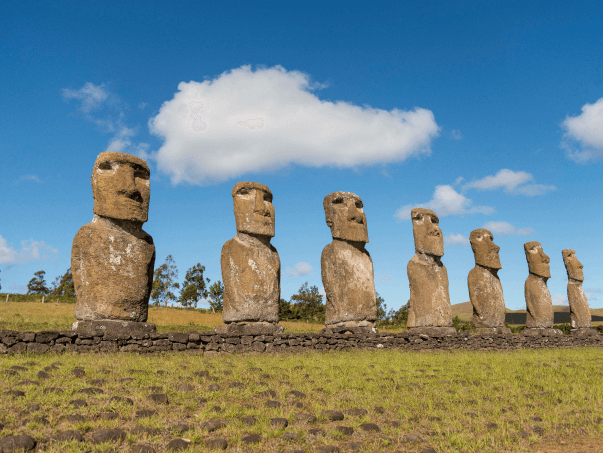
x=112, y=325
x=259, y=328
x=541, y=332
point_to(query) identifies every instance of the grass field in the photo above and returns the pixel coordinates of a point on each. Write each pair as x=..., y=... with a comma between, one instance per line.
x=389, y=400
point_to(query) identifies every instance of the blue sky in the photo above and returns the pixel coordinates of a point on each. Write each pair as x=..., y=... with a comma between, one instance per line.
x=489, y=112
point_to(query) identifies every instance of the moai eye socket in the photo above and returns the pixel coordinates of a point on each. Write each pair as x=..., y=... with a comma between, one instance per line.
x=243, y=191
x=105, y=166
x=268, y=197
x=338, y=200
x=141, y=172
x=359, y=204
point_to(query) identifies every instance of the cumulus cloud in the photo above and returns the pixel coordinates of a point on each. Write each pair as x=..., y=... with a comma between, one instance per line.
x=583, y=139
x=501, y=229
x=512, y=182
x=91, y=96
x=383, y=277
x=259, y=120
x=560, y=299
x=455, y=240
x=446, y=201
x=30, y=251
x=456, y=134
x=594, y=290
x=300, y=269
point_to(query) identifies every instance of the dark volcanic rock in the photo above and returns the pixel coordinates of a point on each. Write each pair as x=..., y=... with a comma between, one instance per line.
x=346, y=430
x=213, y=425
x=216, y=444
x=268, y=394
x=354, y=446
x=370, y=427
x=32, y=407
x=357, y=412
x=142, y=449
x=252, y=439
x=181, y=427
x=327, y=449
x=67, y=436
x=159, y=398
x=78, y=403
x=177, y=445
x=16, y=393
x=17, y=443
x=76, y=418
x=108, y=415
x=306, y=418
x=54, y=390
x=92, y=391
x=108, y=435
x=279, y=422
x=333, y=416
x=272, y=404
x=121, y=399
x=249, y=420
x=297, y=394
x=78, y=372
x=43, y=375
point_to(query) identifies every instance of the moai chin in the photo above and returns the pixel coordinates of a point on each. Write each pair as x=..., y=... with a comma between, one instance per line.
x=539, y=304
x=580, y=316
x=251, y=268
x=346, y=266
x=112, y=258
x=429, y=299
x=485, y=289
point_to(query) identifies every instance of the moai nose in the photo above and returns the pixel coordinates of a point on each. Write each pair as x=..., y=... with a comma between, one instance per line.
x=125, y=175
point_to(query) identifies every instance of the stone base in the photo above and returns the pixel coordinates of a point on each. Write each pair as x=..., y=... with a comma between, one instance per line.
x=113, y=325
x=584, y=332
x=252, y=328
x=541, y=332
x=490, y=331
x=333, y=328
x=432, y=331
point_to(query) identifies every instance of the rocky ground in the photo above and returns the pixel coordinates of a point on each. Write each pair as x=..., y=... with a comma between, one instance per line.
x=347, y=401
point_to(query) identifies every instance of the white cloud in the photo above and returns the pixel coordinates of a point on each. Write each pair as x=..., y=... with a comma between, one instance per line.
x=91, y=96
x=560, y=299
x=587, y=130
x=501, y=228
x=445, y=202
x=30, y=251
x=249, y=120
x=383, y=277
x=512, y=182
x=456, y=240
x=456, y=134
x=33, y=178
x=594, y=290
x=299, y=270
x=590, y=296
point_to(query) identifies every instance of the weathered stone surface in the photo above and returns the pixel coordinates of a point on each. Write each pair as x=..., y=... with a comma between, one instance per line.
x=17, y=443
x=116, y=327
x=251, y=267
x=346, y=266
x=541, y=332
x=256, y=328
x=539, y=304
x=429, y=304
x=485, y=289
x=112, y=258
x=580, y=317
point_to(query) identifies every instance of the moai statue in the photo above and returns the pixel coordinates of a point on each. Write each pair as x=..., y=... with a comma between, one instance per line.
x=346, y=266
x=485, y=289
x=429, y=299
x=539, y=304
x=580, y=316
x=112, y=257
x=251, y=268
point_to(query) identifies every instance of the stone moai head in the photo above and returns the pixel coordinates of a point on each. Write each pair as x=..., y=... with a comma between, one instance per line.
x=345, y=216
x=484, y=250
x=253, y=209
x=572, y=265
x=121, y=187
x=427, y=233
x=538, y=261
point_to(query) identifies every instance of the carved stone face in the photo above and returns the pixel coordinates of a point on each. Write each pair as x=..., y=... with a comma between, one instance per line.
x=121, y=187
x=572, y=265
x=427, y=233
x=254, y=212
x=538, y=261
x=484, y=250
x=345, y=216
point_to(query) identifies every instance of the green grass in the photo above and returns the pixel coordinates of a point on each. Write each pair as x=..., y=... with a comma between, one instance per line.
x=446, y=398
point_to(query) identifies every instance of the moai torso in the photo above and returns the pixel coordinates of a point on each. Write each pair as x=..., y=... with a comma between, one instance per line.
x=251, y=274
x=485, y=289
x=486, y=295
x=580, y=316
x=346, y=266
x=251, y=268
x=429, y=303
x=539, y=304
x=112, y=272
x=347, y=276
x=429, y=299
x=112, y=258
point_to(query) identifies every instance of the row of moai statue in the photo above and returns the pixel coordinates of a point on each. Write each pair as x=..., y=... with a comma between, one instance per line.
x=113, y=259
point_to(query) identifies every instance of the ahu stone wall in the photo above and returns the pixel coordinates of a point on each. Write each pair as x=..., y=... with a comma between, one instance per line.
x=210, y=343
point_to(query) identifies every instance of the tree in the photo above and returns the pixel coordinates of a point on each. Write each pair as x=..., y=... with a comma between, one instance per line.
x=63, y=285
x=164, y=282
x=382, y=314
x=216, y=296
x=308, y=303
x=194, y=287
x=37, y=285
x=399, y=317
